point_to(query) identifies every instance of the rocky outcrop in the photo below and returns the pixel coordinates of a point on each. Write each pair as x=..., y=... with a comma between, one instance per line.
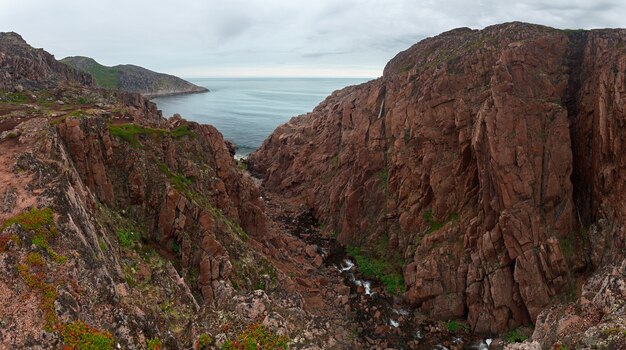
x=131, y=78
x=482, y=157
x=166, y=185
x=21, y=67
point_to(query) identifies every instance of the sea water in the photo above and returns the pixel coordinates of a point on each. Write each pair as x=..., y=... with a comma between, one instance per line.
x=247, y=110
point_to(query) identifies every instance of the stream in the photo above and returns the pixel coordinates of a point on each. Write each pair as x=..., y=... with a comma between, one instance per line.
x=380, y=316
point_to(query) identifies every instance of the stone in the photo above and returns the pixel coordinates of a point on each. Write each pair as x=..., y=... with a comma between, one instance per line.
x=467, y=153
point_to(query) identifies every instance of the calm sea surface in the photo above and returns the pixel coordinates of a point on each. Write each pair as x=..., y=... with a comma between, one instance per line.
x=247, y=110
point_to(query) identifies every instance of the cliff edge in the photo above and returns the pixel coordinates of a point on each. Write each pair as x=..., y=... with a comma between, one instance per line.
x=486, y=164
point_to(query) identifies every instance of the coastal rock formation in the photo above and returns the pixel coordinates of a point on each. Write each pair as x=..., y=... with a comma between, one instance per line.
x=131, y=78
x=481, y=157
x=23, y=67
x=122, y=229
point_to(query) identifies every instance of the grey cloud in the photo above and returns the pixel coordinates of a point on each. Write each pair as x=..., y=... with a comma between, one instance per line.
x=211, y=37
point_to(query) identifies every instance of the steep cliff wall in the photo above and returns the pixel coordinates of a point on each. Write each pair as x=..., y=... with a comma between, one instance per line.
x=22, y=65
x=490, y=160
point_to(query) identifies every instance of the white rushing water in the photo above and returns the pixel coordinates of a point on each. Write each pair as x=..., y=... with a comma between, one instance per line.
x=347, y=265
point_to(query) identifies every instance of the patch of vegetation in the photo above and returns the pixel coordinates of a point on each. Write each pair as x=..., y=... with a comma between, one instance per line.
x=204, y=341
x=129, y=132
x=79, y=113
x=13, y=97
x=335, y=161
x=37, y=281
x=568, y=246
x=105, y=77
x=127, y=238
x=572, y=31
x=5, y=239
x=376, y=268
x=80, y=336
x=256, y=337
x=434, y=225
x=175, y=247
x=575, y=242
x=383, y=176
x=407, y=136
x=515, y=336
x=615, y=332
x=41, y=222
x=251, y=272
x=180, y=131
x=454, y=326
x=155, y=344
x=242, y=164
x=559, y=347
x=102, y=244
x=179, y=181
x=35, y=259
x=37, y=220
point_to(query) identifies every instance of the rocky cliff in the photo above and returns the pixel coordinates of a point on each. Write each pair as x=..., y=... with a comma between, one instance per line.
x=133, y=78
x=122, y=229
x=486, y=162
x=25, y=67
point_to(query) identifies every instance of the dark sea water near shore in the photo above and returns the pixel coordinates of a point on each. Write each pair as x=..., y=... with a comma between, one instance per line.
x=247, y=110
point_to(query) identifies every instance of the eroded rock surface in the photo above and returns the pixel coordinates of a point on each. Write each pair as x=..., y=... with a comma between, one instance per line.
x=482, y=157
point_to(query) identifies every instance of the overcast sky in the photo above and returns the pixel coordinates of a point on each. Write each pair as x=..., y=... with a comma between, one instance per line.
x=200, y=38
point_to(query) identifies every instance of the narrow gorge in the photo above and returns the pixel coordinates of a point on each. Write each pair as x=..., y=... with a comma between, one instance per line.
x=470, y=198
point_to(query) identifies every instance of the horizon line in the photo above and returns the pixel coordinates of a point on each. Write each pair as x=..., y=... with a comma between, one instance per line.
x=274, y=77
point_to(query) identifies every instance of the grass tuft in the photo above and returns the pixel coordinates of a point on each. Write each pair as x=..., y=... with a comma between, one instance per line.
x=256, y=336
x=130, y=132
x=376, y=268
x=515, y=336
x=80, y=336
x=154, y=344
x=127, y=238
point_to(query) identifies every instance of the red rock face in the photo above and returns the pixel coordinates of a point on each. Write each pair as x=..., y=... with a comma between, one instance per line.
x=509, y=138
x=34, y=68
x=187, y=189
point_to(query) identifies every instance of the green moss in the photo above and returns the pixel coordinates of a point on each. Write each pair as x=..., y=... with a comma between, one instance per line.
x=102, y=244
x=38, y=220
x=129, y=132
x=127, y=238
x=256, y=337
x=407, y=136
x=175, y=247
x=5, y=239
x=242, y=164
x=180, y=182
x=34, y=259
x=383, y=176
x=154, y=344
x=80, y=336
x=77, y=113
x=455, y=326
x=373, y=267
x=37, y=281
x=13, y=97
x=204, y=341
x=41, y=222
x=250, y=272
x=515, y=336
x=434, y=225
x=181, y=131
